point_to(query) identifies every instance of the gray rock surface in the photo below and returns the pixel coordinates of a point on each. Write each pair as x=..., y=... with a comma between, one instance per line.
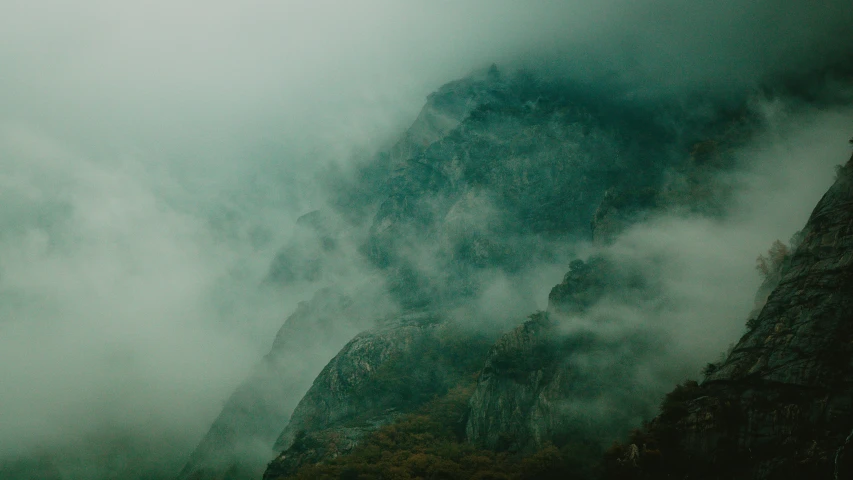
x=495, y=175
x=237, y=446
x=378, y=376
x=781, y=404
x=546, y=382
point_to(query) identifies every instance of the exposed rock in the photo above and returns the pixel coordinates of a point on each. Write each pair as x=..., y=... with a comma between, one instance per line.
x=781, y=405
x=496, y=174
x=551, y=380
x=531, y=163
x=533, y=169
x=445, y=109
x=357, y=194
x=237, y=446
x=379, y=375
x=259, y=410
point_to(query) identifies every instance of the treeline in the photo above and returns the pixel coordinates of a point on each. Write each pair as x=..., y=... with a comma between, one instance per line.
x=430, y=444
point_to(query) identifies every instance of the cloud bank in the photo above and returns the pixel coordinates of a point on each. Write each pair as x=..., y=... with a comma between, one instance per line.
x=154, y=156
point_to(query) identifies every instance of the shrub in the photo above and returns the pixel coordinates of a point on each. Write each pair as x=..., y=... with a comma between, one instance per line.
x=425, y=445
x=770, y=264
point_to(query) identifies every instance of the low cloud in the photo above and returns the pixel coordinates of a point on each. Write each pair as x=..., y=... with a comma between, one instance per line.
x=154, y=158
x=703, y=268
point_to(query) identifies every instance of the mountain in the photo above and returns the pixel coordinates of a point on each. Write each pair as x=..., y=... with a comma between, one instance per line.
x=496, y=172
x=779, y=405
x=238, y=443
x=542, y=384
x=499, y=177
x=378, y=377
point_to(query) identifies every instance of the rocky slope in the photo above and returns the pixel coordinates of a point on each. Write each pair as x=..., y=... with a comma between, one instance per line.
x=564, y=374
x=781, y=404
x=556, y=378
x=526, y=166
x=496, y=175
x=238, y=443
x=377, y=377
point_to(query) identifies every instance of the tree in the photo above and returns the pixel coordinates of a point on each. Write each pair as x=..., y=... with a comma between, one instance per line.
x=770, y=264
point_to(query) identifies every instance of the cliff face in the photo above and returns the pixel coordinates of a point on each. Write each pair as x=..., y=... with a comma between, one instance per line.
x=781, y=404
x=378, y=376
x=497, y=174
x=238, y=443
x=551, y=380
x=525, y=166
x=562, y=376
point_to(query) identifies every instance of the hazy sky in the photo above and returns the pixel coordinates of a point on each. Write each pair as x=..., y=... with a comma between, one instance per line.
x=154, y=154
x=207, y=78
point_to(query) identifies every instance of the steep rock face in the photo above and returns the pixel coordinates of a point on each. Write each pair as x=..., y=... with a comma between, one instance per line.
x=238, y=443
x=356, y=194
x=551, y=380
x=444, y=110
x=318, y=246
x=497, y=171
x=322, y=245
x=525, y=170
x=692, y=185
x=378, y=376
x=781, y=404
x=525, y=165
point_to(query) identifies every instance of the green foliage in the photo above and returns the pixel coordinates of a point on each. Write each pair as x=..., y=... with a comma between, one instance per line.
x=674, y=405
x=709, y=369
x=771, y=264
x=428, y=445
x=434, y=364
x=542, y=355
x=752, y=323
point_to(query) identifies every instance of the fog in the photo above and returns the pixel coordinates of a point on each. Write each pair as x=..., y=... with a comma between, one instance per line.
x=154, y=157
x=693, y=278
x=706, y=267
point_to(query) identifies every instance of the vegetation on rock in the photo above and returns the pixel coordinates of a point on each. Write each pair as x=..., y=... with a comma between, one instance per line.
x=430, y=444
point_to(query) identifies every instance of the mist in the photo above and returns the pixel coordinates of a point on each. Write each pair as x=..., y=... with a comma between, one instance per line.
x=154, y=158
x=706, y=267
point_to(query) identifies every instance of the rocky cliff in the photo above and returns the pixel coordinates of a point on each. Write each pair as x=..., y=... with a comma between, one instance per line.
x=527, y=166
x=781, y=404
x=558, y=377
x=377, y=377
x=238, y=443
x=497, y=176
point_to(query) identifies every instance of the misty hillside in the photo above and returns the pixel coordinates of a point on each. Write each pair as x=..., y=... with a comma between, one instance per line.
x=457, y=240
x=504, y=186
x=499, y=179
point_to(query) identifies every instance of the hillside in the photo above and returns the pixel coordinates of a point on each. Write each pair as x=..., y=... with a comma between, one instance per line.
x=500, y=174
x=778, y=406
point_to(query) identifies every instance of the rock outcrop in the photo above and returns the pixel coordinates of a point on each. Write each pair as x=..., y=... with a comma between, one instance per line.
x=496, y=175
x=238, y=443
x=378, y=376
x=781, y=404
x=557, y=378
x=524, y=166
